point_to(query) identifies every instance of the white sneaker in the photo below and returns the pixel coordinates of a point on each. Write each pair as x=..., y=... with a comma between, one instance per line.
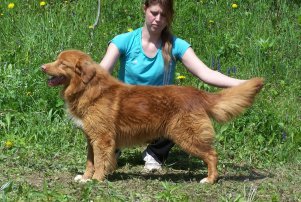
x=151, y=164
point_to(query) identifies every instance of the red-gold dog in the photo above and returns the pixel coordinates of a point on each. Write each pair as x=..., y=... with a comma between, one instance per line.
x=115, y=115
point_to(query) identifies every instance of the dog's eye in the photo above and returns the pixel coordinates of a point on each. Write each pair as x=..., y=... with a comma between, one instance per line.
x=63, y=64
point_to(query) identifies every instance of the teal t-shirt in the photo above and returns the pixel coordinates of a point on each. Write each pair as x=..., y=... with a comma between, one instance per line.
x=139, y=69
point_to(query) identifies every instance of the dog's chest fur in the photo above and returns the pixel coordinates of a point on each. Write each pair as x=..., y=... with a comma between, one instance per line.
x=77, y=121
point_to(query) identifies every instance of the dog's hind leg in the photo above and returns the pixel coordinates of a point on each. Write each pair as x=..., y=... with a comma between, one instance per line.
x=196, y=139
x=205, y=152
x=209, y=156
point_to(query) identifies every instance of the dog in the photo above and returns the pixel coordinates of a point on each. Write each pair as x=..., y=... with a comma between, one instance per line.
x=115, y=115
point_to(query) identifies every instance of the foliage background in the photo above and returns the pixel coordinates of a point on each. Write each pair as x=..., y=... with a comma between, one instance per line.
x=37, y=142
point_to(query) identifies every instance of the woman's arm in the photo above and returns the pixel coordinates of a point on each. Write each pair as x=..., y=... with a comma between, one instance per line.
x=209, y=76
x=110, y=58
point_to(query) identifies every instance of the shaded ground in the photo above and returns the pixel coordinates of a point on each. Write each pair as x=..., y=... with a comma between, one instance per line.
x=178, y=181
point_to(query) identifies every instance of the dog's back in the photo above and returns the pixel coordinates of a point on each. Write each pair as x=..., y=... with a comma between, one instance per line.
x=150, y=110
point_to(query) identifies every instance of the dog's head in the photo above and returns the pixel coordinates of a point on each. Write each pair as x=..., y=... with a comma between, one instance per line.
x=71, y=66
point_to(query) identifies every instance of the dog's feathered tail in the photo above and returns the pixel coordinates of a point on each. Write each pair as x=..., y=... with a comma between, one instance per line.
x=231, y=102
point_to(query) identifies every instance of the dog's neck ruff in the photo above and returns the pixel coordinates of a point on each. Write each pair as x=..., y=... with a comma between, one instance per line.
x=77, y=121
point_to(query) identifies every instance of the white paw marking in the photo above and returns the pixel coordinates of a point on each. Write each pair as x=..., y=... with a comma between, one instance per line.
x=203, y=181
x=79, y=178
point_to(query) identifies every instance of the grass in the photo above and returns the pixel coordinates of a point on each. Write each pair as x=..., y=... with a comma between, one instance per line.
x=259, y=152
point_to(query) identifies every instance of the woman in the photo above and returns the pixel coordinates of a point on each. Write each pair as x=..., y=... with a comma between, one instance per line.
x=148, y=56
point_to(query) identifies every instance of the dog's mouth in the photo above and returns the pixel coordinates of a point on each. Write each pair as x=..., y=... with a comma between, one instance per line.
x=56, y=80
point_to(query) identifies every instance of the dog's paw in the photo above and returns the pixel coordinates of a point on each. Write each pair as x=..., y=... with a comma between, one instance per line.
x=207, y=180
x=79, y=178
x=204, y=181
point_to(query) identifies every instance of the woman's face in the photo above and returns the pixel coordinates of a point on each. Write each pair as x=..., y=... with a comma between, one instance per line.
x=155, y=18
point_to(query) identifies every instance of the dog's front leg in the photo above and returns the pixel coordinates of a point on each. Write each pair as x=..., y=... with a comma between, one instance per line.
x=104, y=157
x=89, y=165
x=90, y=162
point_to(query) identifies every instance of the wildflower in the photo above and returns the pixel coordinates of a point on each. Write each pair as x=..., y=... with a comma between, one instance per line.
x=218, y=65
x=213, y=63
x=91, y=27
x=228, y=71
x=234, y=6
x=130, y=29
x=8, y=144
x=180, y=77
x=42, y=3
x=11, y=6
x=211, y=21
x=29, y=93
x=283, y=137
x=234, y=70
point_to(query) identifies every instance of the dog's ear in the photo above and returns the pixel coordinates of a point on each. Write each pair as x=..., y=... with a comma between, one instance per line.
x=86, y=70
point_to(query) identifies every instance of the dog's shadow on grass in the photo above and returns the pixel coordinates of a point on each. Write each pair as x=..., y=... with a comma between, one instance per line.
x=181, y=167
x=172, y=177
x=244, y=173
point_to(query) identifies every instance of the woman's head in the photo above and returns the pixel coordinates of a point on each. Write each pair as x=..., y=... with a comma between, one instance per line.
x=158, y=18
x=160, y=9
